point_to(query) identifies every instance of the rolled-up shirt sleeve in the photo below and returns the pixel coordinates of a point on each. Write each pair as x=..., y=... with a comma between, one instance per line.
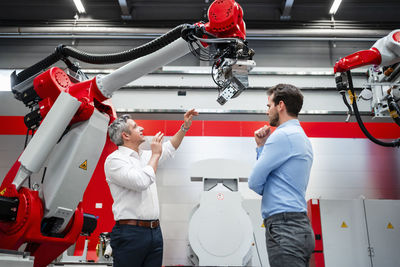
x=122, y=173
x=168, y=151
x=271, y=156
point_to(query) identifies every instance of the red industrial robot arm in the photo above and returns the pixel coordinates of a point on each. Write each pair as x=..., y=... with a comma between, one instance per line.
x=383, y=85
x=52, y=221
x=386, y=51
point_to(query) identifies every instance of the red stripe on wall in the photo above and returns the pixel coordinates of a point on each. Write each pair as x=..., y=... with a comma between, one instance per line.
x=350, y=130
x=14, y=125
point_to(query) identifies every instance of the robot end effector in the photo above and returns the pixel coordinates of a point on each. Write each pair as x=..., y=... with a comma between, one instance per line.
x=224, y=35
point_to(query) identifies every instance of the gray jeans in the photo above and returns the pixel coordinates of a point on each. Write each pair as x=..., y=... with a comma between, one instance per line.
x=290, y=239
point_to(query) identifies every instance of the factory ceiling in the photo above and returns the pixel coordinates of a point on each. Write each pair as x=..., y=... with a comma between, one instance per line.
x=259, y=14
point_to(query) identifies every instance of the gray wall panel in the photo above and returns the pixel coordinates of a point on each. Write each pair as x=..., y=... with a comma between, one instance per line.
x=12, y=142
x=9, y=106
x=291, y=53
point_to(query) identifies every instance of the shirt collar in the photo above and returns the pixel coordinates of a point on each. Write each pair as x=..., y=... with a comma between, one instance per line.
x=289, y=122
x=130, y=152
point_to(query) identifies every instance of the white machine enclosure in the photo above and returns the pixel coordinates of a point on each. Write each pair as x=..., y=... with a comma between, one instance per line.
x=71, y=166
x=344, y=233
x=220, y=231
x=383, y=222
x=360, y=232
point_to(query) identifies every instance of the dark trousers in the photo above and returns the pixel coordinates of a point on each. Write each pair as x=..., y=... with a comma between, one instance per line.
x=290, y=239
x=135, y=246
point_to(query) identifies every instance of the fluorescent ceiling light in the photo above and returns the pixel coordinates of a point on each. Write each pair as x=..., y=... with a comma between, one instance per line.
x=79, y=6
x=335, y=7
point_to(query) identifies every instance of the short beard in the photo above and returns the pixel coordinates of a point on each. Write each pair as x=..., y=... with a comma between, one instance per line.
x=274, y=121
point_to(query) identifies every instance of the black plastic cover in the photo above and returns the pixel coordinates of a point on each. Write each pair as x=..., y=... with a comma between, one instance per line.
x=8, y=208
x=89, y=224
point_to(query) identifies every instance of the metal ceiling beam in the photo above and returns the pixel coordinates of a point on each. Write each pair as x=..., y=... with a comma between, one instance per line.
x=125, y=14
x=286, y=9
x=148, y=33
x=316, y=24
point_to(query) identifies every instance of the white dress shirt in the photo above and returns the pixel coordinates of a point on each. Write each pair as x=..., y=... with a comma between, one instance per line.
x=133, y=183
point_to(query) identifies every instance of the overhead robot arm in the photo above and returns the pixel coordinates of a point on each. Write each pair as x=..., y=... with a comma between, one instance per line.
x=70, y=118
x=383, y=87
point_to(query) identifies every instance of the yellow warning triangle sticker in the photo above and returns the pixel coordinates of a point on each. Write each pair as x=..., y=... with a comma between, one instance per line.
x=262, y=225
x=344, y=225
x=3, y=191
x=390, y=226
x=83, y=166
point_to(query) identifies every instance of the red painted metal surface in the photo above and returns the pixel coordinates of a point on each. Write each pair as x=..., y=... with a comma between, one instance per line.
x=317, y=258
x=226, y=19
x=26, y=228
x=358, y=59
x=52, y=82
x=396, y=36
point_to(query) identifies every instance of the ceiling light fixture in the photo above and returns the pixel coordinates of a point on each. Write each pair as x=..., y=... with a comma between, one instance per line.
x=335, y=7
x=79, y=6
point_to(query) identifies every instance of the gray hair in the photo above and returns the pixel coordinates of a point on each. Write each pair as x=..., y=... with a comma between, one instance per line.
x=117, y=127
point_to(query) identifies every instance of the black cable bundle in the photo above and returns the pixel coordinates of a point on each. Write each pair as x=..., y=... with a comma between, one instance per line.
x=394, y=143
x=63, y=52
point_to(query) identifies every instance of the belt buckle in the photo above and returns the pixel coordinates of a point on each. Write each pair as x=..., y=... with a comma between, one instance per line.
x=153, y=224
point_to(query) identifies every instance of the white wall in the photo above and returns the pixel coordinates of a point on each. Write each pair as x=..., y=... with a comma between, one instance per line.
x=342, y=169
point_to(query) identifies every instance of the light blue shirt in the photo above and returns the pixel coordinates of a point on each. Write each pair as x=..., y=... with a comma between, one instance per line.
x=282, y=170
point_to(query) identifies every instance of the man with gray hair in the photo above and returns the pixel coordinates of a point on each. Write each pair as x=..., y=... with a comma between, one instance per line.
x=136, y=238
